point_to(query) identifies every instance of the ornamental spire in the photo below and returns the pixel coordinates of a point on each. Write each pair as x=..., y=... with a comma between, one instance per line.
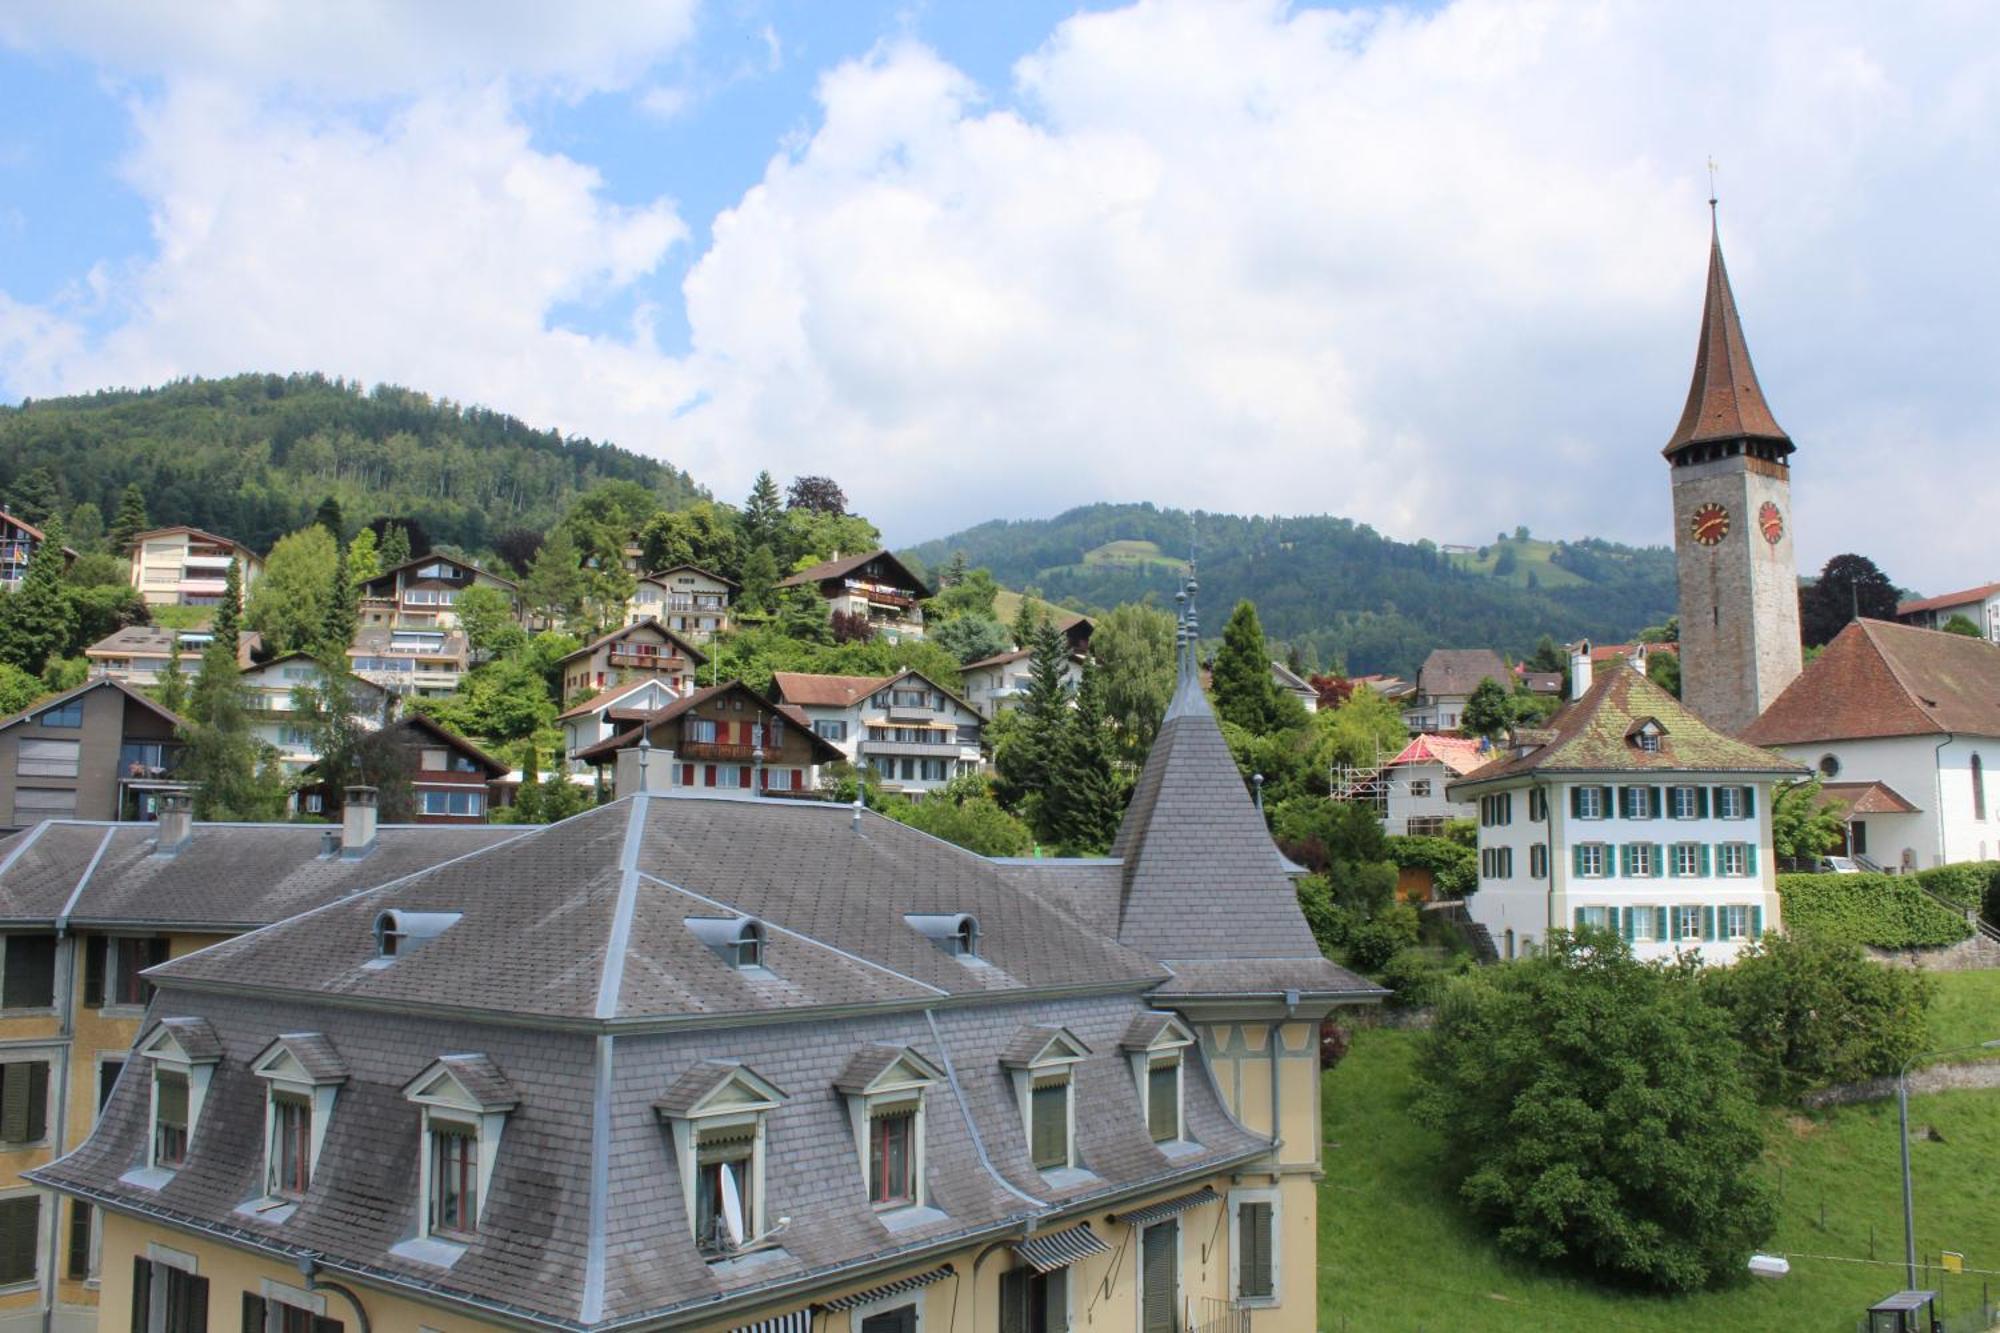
x=1724, y=402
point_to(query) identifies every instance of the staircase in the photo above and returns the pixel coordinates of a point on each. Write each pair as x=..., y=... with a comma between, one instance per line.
x=1476, y=936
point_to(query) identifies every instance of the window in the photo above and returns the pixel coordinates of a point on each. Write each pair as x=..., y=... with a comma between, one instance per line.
x=892, y=1158
x=749, y=947
x=1496, y=863
x=1420, y=788
x=1638, y=803
x=20, y=1227
x=112, y=967
x=1593, y=918
x=454, y=1178
x=63, y=715
x=1642, y=860
x=1732, y=802
x=901, y=1318
x=1163, y=1098
x=28, y=975
x=1587, y=802
x=1254, y=1256
x=1538, y=804
x=170, y=1117
x=1736, y=859
x=830, y=731
x=286, y=1310
x=1687, y=922
x=1159, y=1277
x=1687, y=802
x=1829, y=765
x=462, y=803
x=725, y=1207
x=80, y=1265
x=24, y=1103
x=33, y=803
x=1649, y=742
x=1639, y=924
x=1425, y=826
x=288, y=1156
x=1032, y=1302
x=1049, y=1122
x=167, y=1296
x=1736, y=922
x=1538, y=861
x=1690, y=859
x=1497, y=809
x=1590, y=860
x=47, y=759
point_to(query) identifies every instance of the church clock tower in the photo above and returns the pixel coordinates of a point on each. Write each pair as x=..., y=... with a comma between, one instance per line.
x=1731, y=467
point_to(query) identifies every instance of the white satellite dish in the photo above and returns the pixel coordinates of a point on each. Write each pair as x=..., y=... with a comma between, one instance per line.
x=732, y=1203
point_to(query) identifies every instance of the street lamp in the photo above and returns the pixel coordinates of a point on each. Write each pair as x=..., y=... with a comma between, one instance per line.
x=1903, y=1121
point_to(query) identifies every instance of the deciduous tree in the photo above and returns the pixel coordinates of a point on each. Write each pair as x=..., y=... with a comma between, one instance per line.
x=1848, y=586
x=289, y=602
x=822, y=495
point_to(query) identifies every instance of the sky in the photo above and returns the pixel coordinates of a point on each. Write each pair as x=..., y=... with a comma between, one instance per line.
x=1435, y=268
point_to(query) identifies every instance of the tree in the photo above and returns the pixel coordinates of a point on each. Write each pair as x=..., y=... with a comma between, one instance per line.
x=487, y=616
x=517, y=546
x=228, y=622
x=34, y=496
x=1134, y=648
x=172, y=691
x=822, y=495
x=1664, y=670
x=1812, y=1012
x=1244, y=691
x=1803, y=827
x=1848, y=586
x=232, y=775
x=131, y=519
x=1025, y=753
x=343, y=611
x=969, y=593
x=954, y=573
x=290, y=601
x=1365, y=731
x=759, y=580
x=763, y=515
x=329, y=517
x=962, y=813
x=38, y=618
x=502, y=701
x=355, y=748
x=1027, y=616
x=86, y=527
x=1083, y=798
x=702, y=534
x=1960, y=623
x=554, y=588
x=1486, y=714
x=971, y=638
x=395, y=546
x=1595, y=1115
x=364, y=560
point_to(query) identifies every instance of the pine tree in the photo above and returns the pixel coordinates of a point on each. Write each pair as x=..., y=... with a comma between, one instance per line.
x=173, y=681
x=363, y=559
x=223, y=759
x=229, y=612
x=760, y=579
x=38, y=617
x=131, y=520
x=395, y=546
x=1024, y=764
x=343, y=613
x=1083, y=787
x=554, y=588
x=954, y=573
x=1244, y=691
x=330, y=518
x=34, y=496
x=763, y=515
x=1026, y=618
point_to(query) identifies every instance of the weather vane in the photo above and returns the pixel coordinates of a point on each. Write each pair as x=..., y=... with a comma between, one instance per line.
x=1711, y=183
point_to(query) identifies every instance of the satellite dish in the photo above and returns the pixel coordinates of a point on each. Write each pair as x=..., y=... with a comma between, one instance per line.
x=732, y=1203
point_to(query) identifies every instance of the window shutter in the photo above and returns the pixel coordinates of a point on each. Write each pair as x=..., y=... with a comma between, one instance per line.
x=1659, y=802
x=20, y=1221
x=1014, y=1301
x=1579, y=918
x=1659, y=860
x=14, y=1103
x=1630, y=918
x=1576, y=859
x=1757, y=921
x=321, y=1324
x=1749, y=802
x=1254, y=1265
x=93, y=971
x=253, y=1313
x=1707, y=862
x=1750, y=858
x=30, y=981
x=197, y=1305
x=1659, y=923
x=142, y=1292
x=1701, y=802
x=1056, y=1286
x=1708, y=922
x=1157, y=1283
x=79, y=1240
x=1576, y=802
x=1607, y=795
x=38, y=1101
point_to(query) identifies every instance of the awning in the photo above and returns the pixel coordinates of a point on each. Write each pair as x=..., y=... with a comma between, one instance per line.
x=1059, y=1249
x=888, y=1289
x=1166, y=1208
x=798, y=1321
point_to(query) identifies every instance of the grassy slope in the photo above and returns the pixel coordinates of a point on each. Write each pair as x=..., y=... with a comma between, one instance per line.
x=1007, y=605
x=1397, y=1255
x=1531, y=555
x=1965, y=1013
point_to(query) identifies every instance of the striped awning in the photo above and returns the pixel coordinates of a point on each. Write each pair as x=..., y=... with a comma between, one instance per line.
x=888, y=1289
x=1166, y=1208
x=798, y=1321
x=1059, y=1249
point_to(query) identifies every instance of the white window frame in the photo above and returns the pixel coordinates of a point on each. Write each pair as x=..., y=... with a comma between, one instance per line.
x=283, y=1074
x=1692, y=851
x=741, y=1098
x=1684, y=802
x=444, y=1101
x=166, y=1054
x=1058, y=1057
x=1641, y=918
x=1170, y=1045
x=1725, y=922
x=1729, y=803
x=1603, y=854
x=1590, y=802
x=1733, y=860
x=1685, y=921
x=1237, y=1198
x=906, y=1082
x=1649, y=853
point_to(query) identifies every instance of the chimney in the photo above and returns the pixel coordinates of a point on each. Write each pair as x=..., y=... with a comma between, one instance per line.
x=1579, y=669
x=176, y=822
x=643, y=770
x=357, y=822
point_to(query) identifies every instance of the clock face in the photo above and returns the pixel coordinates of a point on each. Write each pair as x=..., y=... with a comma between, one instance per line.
x=1710, y=524
x=1771, y=523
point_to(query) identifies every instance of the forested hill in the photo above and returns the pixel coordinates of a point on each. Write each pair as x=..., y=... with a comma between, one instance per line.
x=252, y=456
x=1336, y=589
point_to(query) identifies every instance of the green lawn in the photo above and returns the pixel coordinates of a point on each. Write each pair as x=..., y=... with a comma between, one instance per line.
x=1528, y=555
x=1396, y=1254
x=1966, y=1012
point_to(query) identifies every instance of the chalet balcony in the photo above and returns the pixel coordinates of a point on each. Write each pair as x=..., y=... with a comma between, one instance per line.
x=725, y=751
x=916, y=713
x=947, y=748
x=197, y=560
x=648, y=661
x=880, y=595
x=201, y=583
x=146, y=761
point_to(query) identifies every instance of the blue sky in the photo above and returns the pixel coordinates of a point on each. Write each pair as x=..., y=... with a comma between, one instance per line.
x=1436, y=268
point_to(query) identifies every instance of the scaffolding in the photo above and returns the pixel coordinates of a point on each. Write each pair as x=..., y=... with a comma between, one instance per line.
x=1362, y=784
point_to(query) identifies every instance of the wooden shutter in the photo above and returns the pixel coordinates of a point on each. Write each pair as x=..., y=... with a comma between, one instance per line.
x=1253, y=1260
x=1701, y=802
x=93, y=971
x=142, y=1292
x=1660, y=924
x=1576, y=860
x=14, y=1103
x=1757, y=922
x=1708, y=922
x=254, y=1313
x=1707, y=861
x=1014, y=1301
x=38, y=1101
x=1750, y=858
x=20, y=1228
x=1749, y=802
x=79, y=1240
x=30, y=980
x=1630, y=918
x=1576, y=802
x=1157, y=1255
x=1579, y=918
x=1659, y=799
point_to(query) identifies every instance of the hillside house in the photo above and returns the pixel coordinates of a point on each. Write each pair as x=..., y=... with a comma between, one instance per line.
x=19, y=540
x=1627, y=813
x=141, y=654
x=1446, y=682
x=424, y=661
x=995, y=684
x=1292, y=683
x=100, y=751
x=1414, y=784
x=1905, y=723
x=275, y=718
x=184, y=566
x=645, y=651
x=690, y=601
x=912, y=732
x=420, y=593
x=726, y=737
x=605, y=714
x=1980, y=605
x=875, y=586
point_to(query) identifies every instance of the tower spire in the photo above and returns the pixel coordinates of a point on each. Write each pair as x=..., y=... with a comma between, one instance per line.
x=1724, y=401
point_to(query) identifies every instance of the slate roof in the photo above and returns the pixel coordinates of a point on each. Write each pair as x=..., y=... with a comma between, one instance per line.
x=1967, y=597
x=195, y=1036
x=94, y=683
x=314, y=1053
x=1458, y=671
x=1880, y=679
x=1724, y=400
x=1594, y=735
x=833, y=569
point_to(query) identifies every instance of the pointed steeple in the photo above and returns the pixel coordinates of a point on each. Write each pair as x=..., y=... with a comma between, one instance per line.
x=1725, y=401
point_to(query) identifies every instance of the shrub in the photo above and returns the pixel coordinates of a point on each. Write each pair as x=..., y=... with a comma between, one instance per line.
x=1968, y=883
x=1330, y=922
x=1881, y=910
x=1417, y=980
x=1811, y=1012
x=1333, y=1043
x=1596, y=1115
x=1372, y=944
x=1454, y=867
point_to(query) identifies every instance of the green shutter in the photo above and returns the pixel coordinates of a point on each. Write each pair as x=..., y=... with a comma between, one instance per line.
x=1576, y=802
x=1576, y=860
x=1757, y=922
x=1659, y=860
x=1707, y=860
x=1630, y=918
x=1750, y=859
x=1579, y=918
x=1660, y=923
x=1624, y=859
x=1659, y=802
x=1157, y=1281
x=1701, y=802
x=1749, y=802
x=253, y=1313
x=1708, y=922
x=1673, y=864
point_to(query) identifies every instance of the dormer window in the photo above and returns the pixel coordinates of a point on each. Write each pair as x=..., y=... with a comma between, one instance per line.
x=886, y=1088
x=1647, y=735
x=1156, y=1044
x=303, y=1073
x=957, y=933
x=398, y=933
x=716, y=1113
x=750, y=946
x=184, y=1053
x=464, y=1101
x=740, y=941
x=1042, y=1061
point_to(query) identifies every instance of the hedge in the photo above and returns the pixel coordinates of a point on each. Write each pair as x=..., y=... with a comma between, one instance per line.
x=1880, y=910
x=1969, y=883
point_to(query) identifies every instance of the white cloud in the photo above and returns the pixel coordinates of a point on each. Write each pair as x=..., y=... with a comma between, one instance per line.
x=365, y=48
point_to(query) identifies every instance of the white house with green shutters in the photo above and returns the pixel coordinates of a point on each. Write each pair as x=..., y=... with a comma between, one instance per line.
x=1629, y=814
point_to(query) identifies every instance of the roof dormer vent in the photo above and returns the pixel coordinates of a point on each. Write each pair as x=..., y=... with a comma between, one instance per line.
x=738, y=941
x=399, y=933
x=957, y=933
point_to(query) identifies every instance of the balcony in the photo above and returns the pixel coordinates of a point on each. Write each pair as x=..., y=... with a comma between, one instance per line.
x=197, y=560
x=880, y=594
x=948, y=748
x=199, y=583
x=148, y=761
x=648, y=661
x=728, y=752
x=919, y=714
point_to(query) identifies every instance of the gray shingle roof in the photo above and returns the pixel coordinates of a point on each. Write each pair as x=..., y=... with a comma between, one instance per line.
x=314, y=1053
x=1458, y=671
x=195, y=1036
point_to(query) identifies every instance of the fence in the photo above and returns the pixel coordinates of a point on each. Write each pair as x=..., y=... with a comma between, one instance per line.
x=1209, y=1315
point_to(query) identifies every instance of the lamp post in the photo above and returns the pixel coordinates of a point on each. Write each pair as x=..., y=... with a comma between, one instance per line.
x=1903, y=1123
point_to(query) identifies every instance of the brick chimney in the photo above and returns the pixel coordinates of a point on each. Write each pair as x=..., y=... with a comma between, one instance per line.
x=357, y=822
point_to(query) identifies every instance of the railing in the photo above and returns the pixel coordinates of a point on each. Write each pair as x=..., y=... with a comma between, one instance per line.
x=1207, y=1314
x=938, y=749
x=139, y=760
x=875, y=592
x=717, y=750
x=648, y=661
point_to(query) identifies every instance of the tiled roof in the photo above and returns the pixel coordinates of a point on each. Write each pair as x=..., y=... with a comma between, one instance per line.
x=1594, y=735
x=597, y=703
x=847, y=564
x=1967, y=597
x=1460, y=754
x=823, y=751
x=482, y=1080
x=1724, y=400
x=1882, y=679
x=1865, y=798
x=314, y=1053
x=687, y=650
x=659, y=575
x=1458, y=671
x=813, y=691
x=95, y=683
x=999, y=659
x=438, y=557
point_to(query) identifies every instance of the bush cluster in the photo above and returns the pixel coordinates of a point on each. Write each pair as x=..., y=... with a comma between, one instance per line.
x=1885, y=911
x=1970, y=884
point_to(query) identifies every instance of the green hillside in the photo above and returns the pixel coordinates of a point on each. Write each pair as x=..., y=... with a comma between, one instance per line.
x=1338, y=590
x=252, y=457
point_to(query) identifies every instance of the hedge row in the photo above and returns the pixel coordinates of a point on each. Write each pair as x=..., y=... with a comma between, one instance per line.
x=1970, y=884
x=1880, y=910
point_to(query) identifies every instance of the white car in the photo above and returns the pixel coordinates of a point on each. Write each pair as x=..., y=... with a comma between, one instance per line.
x=1838, y=865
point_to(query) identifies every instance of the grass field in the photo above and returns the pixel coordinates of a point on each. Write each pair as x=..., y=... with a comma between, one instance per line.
x=1528, y=555
x=1965, y=1013
x=1397, y=1256
x=1132, y=553
x=1007, y=605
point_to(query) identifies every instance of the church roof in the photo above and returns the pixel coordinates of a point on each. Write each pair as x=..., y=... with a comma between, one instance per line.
x=1879, y=679
x=1724, y=401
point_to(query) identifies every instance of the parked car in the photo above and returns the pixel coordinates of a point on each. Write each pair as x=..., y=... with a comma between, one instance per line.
x=1838, y=865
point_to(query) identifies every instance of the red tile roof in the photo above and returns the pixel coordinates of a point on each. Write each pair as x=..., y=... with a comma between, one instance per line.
x=1865, y=798
x=1882, y=679
x=1460, y=754
x=1938, y=603
x=1724, y=400
x=833, y=569
x=816, y=691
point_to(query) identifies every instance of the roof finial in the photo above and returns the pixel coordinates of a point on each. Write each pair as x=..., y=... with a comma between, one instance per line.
x=1711, y=191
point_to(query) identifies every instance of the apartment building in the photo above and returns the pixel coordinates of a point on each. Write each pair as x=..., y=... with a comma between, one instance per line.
x=691, y=601
x=421, y=661
x=19, y=540
x=914, y=734
x=141, y=654
x=100, y=751
x=726, y=737
x=272, y=696
x=647, y=650
x=421, y=593
x=184, y=566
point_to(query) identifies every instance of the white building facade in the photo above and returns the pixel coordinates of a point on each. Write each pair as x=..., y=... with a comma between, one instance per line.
x=914, y=734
